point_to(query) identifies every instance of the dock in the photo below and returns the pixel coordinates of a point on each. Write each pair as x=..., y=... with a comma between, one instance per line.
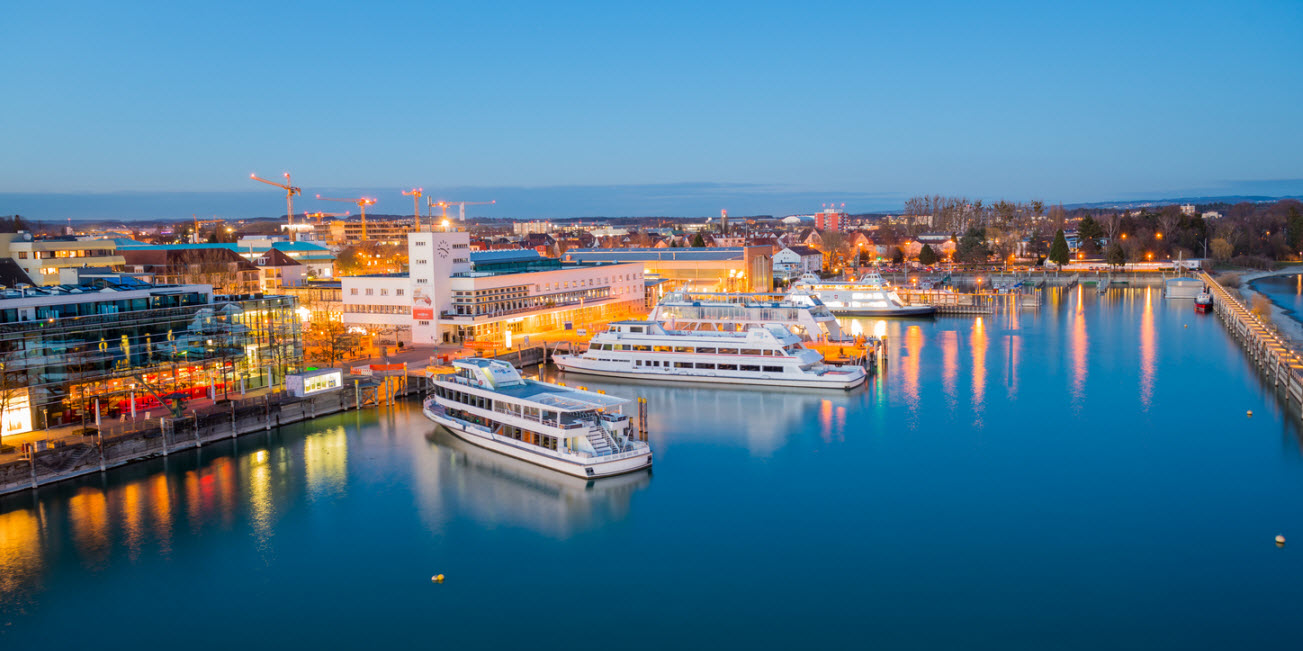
x=1273, y=356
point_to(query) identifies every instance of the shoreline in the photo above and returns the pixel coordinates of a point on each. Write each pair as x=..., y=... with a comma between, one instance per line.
x=1286, y=320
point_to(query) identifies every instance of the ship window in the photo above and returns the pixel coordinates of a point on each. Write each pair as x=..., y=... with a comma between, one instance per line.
x=661, y=349
x=706, y=351
x=682, y=364
x=642, y=348
x=619, y=347
x=683, y=349
x=637, y=329
x=727, y=367
x=773, y=369
x=750, y=351
x=637, y=362
x=746, y=367
x=727, y=351
x=701, y=365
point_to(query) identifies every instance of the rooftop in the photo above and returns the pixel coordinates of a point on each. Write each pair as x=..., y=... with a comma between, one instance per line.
x=642, y=255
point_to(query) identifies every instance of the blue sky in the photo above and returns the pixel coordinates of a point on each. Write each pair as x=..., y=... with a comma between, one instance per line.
x=778, y=102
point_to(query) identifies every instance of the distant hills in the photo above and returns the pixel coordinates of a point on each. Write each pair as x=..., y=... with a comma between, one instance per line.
x=1198, y=201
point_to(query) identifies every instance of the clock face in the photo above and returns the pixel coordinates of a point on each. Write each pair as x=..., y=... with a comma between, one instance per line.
x=442, y=249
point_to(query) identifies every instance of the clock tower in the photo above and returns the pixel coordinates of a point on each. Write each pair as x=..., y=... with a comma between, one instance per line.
x=433, y=257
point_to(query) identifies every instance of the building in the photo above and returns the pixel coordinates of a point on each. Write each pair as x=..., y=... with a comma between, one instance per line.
x=182, y=264
x=795, y=260
x=454, y=295
x=277, y=270
x=341, y=233
x=317, y=260
x=1187, y=209
x=734, y=269
x=80, y=354
x=830, y=219
x=527, y=228
x=41, y=259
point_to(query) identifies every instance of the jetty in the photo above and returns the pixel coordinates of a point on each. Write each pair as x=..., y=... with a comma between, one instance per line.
x=1273, y=356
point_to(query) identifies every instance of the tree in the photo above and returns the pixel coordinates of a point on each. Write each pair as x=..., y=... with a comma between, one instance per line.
x=1222, y=249
x=897, y=256
x=972, y=246
x=1088, y=233
x=1059, y=253
x=927, y=256
x=698, y=241
x=1116, y=256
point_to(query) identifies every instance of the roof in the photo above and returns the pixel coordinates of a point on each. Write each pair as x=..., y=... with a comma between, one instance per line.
x=505, y=255
x=12, y=275
x=642, y=255
x=803, y=250
x=277, y=258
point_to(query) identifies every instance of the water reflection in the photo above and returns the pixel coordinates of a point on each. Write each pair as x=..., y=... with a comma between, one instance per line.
x=1147, y=350
x=21, y=561
x=949, y=340
x=979, y=341
x=494, y=490
x=1079, y=343
x=325, y=462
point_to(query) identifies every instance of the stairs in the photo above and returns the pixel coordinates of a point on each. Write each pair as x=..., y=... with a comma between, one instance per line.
x=602, y=444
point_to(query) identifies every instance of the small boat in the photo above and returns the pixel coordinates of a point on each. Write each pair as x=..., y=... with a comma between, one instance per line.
x=1203, y=303
x=581, y=433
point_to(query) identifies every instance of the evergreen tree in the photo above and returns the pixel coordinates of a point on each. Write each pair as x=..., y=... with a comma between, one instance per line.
x=698, y=241
x=1117, y=256
x=1088, y=233
x=928, y=256
x=897, y=256
x=972, y=246
x=1059, y=253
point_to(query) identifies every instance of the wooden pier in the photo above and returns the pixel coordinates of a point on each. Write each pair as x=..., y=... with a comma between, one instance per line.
x=956, y=302
x=1277, y=361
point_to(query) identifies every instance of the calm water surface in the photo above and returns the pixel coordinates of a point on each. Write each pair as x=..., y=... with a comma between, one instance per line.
x=1082, y=476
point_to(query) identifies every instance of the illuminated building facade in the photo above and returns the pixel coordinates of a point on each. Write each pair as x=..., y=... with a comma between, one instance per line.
x=67, y=351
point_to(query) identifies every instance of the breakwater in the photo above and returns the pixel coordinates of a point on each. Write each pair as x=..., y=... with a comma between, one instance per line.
x=1272, y=355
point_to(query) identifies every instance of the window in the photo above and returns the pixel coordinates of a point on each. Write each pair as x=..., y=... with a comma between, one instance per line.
x=745, y=367
x=422, y=280
x=661, y=349
x=772, y=369
x=422, y=262
x=398, y=292
x=637, y=329
x=384, y=292
x=420, y=243
x=370, y=291
x=682, y=364
x=706, y=351
x=642, y=348
x=703, y=365
x=353, y=291
x=424, y=323
x=727, y=367
x=683, y=349
x=727, y=351
x=750, y=351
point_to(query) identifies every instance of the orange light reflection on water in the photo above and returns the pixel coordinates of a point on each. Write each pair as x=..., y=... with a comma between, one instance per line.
x=979, y=341
x=1079, y=344
x=1148, y=346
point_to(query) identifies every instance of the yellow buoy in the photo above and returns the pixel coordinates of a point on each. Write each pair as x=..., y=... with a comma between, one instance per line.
x=1250, y=413
x=1280, y=540
x=438, y=578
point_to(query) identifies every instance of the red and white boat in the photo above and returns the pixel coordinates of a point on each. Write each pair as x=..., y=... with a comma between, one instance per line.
x=1203, y=303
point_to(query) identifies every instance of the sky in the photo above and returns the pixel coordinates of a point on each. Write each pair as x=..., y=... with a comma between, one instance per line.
x=571, y=109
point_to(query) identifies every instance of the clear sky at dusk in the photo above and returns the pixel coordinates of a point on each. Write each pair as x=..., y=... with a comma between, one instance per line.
x=1091, y=101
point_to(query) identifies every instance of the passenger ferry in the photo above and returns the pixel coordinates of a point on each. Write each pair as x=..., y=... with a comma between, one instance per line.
x=487, y=403
x=801, y=313
x=768, y=354
x=869, y=296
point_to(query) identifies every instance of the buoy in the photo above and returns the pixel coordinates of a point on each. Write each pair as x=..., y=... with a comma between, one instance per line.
x=438, y=578
x=1187, y=325
x=1250, y=413
x=1280, y=540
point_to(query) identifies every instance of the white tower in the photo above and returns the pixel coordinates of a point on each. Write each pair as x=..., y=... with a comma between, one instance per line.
x=433, y=257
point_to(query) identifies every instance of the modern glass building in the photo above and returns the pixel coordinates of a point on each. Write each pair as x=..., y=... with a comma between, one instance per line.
x=118, y=347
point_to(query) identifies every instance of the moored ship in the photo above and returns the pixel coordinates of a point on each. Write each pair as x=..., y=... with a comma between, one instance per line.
x=1203, y=303
x=581, y=433
x=763, y=355
x=868, y=296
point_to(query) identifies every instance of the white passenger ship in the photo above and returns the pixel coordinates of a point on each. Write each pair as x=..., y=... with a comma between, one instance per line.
x=804, y=314
x=768, y=354
x=487, y=403
x=869, y=296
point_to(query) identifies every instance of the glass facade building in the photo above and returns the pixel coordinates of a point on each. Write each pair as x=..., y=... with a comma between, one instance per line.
x=122, y=349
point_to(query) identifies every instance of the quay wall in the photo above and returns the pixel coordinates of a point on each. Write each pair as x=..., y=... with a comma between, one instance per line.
x=120, y=444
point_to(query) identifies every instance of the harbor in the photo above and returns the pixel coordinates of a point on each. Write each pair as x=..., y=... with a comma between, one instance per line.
x=980, y=462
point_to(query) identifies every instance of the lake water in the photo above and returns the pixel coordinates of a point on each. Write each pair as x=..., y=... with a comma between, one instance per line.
x=1285, y=291
x=1083, y=476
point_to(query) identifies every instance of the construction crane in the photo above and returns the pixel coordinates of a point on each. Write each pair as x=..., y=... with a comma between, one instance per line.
x=290, y=191
x=415, y=194
x=361, y=202
x=461, y=205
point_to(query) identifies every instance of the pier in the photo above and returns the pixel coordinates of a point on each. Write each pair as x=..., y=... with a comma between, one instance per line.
x=1273, y=356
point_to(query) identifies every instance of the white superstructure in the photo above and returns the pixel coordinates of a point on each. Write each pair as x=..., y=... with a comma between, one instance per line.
x=869, y=296
x=802, y=313
x=581, y=433
x=768, y=354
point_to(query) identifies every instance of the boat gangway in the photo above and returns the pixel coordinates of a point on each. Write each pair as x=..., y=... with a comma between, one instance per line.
x=1274, y=356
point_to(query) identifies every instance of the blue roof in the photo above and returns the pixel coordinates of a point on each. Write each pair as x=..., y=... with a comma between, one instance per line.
x=505, y=255
x=320, y=252
x=644, y=255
